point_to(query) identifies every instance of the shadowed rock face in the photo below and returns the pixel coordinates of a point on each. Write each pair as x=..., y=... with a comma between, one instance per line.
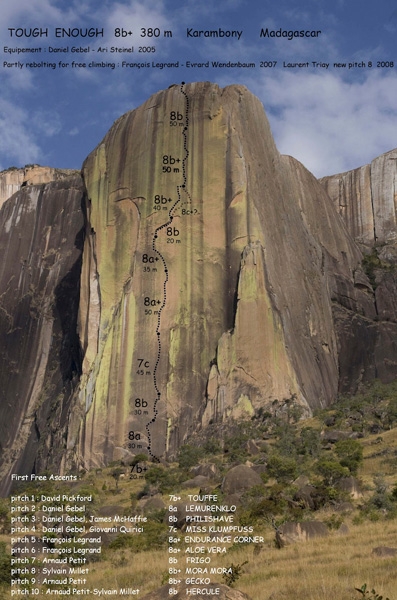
x=366, y=200
x=40, y=245
x=216, y=278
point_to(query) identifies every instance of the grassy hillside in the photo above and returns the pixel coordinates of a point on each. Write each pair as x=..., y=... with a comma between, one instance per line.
x=356, y=438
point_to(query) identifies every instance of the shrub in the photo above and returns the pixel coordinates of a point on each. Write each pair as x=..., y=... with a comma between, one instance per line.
x=188, y=456
x=310, y=442
x=394, y=493
x=235, y=445
x=350, y=453
x=334, y=522
x=391, y=412
x=369, y=595
x=139, y=458
x=166, y=479
x=154, y=536
x=5, y=565
x=370, y=263
x=331, y=471
x=381, y=500
x=233, y=573
x=282, y=468
x=5, y=521
x=212, y=446
x=325, y=495
x=116, y=473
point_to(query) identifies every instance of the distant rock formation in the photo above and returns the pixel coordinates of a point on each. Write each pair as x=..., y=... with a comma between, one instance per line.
x=13, y=179
x=216, y=277
x=366, y=199
x=41, y=249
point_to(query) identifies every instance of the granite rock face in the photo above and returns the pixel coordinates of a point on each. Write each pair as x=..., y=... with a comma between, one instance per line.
x=193, y=275
x=13, y=179
x=40, y=245
x=366, y=199
x=211, y=265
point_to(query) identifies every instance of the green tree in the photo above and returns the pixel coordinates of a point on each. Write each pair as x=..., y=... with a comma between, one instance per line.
x=331, y=471
x=282, y=468
x=139, y=458
x=116, y=473
x=310, y=442
x=189, y=456
x=350, y=454
x=166, y=479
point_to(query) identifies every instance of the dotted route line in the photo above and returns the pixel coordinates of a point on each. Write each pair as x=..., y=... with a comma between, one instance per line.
x=180, y=188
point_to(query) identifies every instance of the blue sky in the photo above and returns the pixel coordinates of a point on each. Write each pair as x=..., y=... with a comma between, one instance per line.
x=331, y=119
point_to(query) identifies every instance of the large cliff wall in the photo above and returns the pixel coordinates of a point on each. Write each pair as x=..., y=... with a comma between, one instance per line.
x=40, y=246
x=366, y=198
x=212, y=262
x=211, y=277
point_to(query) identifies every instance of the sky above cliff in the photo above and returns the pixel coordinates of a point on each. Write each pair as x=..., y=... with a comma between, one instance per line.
x=329, y=94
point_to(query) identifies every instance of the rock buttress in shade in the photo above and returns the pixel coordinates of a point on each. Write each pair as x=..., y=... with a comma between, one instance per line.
x=366, y=199
x=41, y=229
x=208, y=300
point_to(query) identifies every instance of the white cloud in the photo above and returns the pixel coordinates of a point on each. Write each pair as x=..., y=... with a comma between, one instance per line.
x=17, y=79
x=328, y=123
x=17, y=143
x=28, y=13
x=46, y=123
